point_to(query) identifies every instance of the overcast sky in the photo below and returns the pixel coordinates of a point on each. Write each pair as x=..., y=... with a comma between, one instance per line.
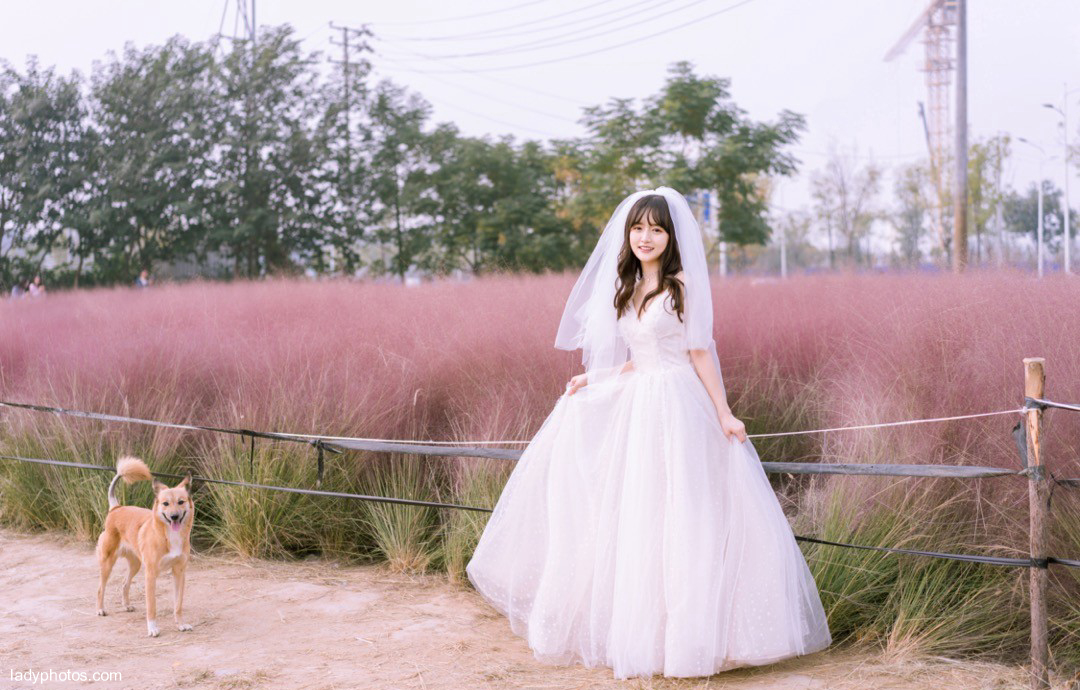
x=824, y=59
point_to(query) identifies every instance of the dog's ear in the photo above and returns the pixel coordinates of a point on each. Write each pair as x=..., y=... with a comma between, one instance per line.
x=185, y=483
x=194, y=486
x=158, y=487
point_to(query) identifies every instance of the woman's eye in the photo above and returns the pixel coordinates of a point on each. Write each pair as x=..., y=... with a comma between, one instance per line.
x=165, y=503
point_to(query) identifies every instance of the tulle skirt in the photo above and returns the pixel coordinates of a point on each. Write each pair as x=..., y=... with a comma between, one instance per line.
x=633, y=534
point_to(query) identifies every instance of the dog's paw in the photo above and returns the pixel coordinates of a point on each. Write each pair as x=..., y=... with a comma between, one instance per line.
x=152, y=630
x=101, y=612
x=183, y=627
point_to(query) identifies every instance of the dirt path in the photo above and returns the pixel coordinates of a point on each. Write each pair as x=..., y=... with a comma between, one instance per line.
x=260, y=624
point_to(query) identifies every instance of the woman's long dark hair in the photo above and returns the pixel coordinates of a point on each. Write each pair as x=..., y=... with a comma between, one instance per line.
x=654, y=208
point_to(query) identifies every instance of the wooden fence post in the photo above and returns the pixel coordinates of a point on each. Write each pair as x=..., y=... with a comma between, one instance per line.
x=1038, y=506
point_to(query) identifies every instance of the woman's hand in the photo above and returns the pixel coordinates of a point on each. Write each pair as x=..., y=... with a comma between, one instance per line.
x=732, y=427
x=575, y=383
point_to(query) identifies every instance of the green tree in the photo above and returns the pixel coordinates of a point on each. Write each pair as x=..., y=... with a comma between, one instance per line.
x=490, y=207
x=43, y=142
x=176, y=154
x=691, y=136
x=266, y=169
x=401, y=153
x=343, y=150
x=150, y=108
x=1021, y=214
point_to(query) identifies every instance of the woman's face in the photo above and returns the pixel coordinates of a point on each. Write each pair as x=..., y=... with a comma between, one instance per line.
x=648, y=240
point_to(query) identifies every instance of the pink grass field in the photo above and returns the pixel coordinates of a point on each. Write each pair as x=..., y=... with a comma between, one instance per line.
x=387, y=361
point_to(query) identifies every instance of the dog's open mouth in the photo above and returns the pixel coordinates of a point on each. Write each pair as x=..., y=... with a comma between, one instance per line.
x=176, y=521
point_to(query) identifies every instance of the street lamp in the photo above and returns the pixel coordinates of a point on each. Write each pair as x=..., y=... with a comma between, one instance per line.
x=1039, y=185
x=1064, y=112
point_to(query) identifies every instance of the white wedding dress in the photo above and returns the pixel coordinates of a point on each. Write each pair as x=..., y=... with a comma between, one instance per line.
x=633, y=534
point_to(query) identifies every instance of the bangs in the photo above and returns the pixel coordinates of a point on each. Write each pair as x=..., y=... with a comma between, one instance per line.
x=652, y=208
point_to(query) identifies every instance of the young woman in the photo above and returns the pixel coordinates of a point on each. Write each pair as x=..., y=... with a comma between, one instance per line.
x=638, y=530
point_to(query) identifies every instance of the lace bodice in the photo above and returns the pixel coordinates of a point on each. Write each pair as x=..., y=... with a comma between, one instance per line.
x=658, y=340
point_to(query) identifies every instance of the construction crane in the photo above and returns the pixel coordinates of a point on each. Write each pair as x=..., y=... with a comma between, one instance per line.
x=936, y=24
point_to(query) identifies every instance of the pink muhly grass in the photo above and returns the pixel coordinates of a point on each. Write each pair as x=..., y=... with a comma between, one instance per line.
x=425, y=362
x=475, y=361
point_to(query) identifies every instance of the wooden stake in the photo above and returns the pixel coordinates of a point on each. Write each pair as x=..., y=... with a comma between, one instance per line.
x=1038, y=506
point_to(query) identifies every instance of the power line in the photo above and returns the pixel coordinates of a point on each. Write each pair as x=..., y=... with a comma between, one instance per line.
x=608, y=28
x=533, y=24
x=505, y=82
x=463, y=17
x=591, y=52
x=516, y=125
x=483, y=94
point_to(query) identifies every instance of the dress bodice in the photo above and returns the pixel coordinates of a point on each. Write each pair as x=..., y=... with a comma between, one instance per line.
x=658, y=340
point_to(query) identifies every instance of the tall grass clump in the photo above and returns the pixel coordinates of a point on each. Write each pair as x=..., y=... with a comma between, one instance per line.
x=478, y=484
x=383, y=361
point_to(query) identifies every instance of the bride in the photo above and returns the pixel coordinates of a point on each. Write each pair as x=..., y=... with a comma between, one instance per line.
x=638, y=530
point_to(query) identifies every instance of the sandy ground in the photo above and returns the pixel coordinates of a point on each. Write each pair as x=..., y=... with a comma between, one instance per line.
x=316, y=624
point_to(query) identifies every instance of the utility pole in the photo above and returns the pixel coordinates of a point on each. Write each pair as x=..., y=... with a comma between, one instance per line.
x=249, y=126
x=1039, y=227
x=960, y=195
x=783, y=251
x=783, y=237
x=1064, y=112
x=245, y=248
x=998, y=203
x=1065, y=133
x=347, y=66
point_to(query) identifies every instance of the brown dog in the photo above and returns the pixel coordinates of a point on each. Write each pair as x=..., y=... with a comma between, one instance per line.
x=155, y=539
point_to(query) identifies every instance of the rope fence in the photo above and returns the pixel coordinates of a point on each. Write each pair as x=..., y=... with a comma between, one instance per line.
x=357, y=442
x=1026, y=433
x=973, y=558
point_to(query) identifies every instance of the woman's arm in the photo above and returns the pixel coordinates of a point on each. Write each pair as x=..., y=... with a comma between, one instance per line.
x=733, y=428
x=706, y=371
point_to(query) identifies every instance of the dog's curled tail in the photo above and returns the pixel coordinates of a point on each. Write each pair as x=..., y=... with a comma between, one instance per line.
x=131, y=470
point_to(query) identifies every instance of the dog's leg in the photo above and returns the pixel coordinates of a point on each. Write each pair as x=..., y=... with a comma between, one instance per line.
x=106, y=553
x=178, y=574
x=133, y=569
x=151, y=600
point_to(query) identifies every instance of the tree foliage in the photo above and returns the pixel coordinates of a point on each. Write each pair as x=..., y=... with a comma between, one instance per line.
x=243, y=160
